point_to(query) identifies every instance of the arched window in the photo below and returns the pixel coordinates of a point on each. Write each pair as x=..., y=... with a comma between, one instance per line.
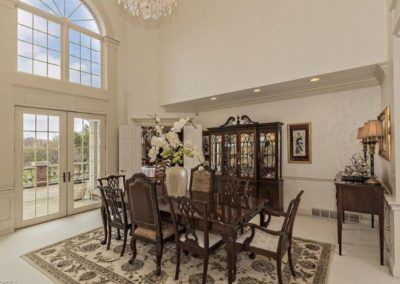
x=59, y=39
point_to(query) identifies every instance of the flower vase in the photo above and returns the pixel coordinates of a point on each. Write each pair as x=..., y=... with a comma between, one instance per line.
x=176, y=181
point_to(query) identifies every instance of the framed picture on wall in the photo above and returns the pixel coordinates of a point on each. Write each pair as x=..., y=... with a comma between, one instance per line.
x=385, y=141
x=299, y=143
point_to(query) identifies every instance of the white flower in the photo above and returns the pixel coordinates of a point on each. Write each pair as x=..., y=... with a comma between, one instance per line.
x=201, y=168
x=173, y=139
x=153, y=153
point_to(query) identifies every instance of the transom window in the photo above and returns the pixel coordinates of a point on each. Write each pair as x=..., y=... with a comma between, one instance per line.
x=42, y=26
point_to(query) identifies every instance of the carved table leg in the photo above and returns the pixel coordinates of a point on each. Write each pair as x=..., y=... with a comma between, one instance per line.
x=381, y=236
x=104, y=220
x=339, y=229
x=230, y=256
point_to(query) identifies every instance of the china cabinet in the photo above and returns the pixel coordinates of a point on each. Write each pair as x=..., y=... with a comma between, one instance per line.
x=250, y=150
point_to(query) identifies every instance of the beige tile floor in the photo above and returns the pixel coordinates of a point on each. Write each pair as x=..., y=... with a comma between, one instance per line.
x=359, y=263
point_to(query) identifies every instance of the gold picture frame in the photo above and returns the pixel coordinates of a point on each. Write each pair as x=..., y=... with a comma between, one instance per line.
x=299, y=143
x=385, y=142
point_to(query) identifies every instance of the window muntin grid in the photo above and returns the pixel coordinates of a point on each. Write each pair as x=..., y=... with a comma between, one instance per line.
x=39, y=48
x=76, y=11
x=84, y=59
x=34, y=38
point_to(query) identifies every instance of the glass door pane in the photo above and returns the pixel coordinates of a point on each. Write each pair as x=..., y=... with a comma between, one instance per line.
x=216, y=153
x=42, y=185
x=85, y=161
x=268, y=155
x=247, y=155
x=230, y=158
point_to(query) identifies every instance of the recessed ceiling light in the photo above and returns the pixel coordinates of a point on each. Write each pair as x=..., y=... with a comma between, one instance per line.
x=256, y=90
x=315, y=79
x=213, y=98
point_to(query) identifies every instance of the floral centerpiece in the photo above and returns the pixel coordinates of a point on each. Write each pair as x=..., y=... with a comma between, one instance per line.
x=168, y=146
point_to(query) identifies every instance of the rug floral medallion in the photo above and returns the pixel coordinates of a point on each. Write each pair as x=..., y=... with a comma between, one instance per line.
x=82, y=259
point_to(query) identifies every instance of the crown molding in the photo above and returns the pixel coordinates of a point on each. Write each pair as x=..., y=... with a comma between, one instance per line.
x=149, y=121
x=264, y=98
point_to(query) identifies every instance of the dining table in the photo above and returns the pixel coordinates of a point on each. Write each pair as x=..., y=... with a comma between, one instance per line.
x=225, y=219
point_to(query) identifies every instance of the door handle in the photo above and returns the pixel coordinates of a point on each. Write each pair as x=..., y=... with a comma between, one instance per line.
x=63, y=175
x=69, y=176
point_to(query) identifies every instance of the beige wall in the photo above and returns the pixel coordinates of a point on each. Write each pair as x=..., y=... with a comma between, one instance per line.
x=334, y=117
x=211, y=47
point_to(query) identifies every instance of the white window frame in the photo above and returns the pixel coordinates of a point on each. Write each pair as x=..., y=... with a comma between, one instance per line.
x=65, y=25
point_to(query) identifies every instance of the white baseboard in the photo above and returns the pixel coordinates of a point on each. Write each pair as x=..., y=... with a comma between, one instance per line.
x=7, y=231
x=395, y=269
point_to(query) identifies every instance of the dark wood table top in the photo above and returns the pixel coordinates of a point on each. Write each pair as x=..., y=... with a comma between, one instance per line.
x=222, y=215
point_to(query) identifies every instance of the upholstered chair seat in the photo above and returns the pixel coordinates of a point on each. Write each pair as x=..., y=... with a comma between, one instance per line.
x=167, y=232
x=212, y=238
x=261, y=240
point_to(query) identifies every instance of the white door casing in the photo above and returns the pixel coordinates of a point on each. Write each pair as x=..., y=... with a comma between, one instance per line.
x=130, y=149
x=192, y=135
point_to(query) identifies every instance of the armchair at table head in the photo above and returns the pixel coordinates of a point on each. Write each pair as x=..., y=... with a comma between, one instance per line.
x=270, y=243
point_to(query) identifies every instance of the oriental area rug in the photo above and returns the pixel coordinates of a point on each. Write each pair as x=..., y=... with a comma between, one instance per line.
x=82, y=259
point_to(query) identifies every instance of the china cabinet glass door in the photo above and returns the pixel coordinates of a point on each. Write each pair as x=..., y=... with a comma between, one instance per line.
x=268, y=148
x=230, y=154
x=247, y=155
x=216, y=153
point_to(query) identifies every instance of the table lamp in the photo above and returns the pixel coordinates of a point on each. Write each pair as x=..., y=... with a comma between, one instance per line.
x=360, y=136
x=372, y=131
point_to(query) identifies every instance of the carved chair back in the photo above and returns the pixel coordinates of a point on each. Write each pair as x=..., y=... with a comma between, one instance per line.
x=234, y=191
x=161, y=167
x=202, y=180
x=113, y=181
x=192, y=215
x=288, y=224
x=114, y=205
x=143, y=203
x=159, y=175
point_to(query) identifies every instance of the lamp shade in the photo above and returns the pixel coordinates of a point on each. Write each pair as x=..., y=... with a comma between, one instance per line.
x=364, y=134
x=360, y=133
x=374, y=129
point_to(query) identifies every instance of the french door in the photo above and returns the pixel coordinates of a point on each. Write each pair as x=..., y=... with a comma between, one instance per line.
x=59, y=156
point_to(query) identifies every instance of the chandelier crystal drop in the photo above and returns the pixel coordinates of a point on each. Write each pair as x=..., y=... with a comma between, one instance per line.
x=149, y=9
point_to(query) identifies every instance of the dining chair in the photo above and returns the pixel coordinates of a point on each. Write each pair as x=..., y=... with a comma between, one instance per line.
x=117, y=217
x=145, y=216
x=271, y=243
x=192, y=215
x=234, y=191
x=114, y=181
x=202, y=180
x=159, y=175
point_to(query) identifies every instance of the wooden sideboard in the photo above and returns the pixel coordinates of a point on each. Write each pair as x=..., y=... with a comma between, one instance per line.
x=360, y=198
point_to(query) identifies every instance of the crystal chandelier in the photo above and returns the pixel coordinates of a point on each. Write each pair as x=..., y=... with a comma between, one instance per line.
x=154, y=9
